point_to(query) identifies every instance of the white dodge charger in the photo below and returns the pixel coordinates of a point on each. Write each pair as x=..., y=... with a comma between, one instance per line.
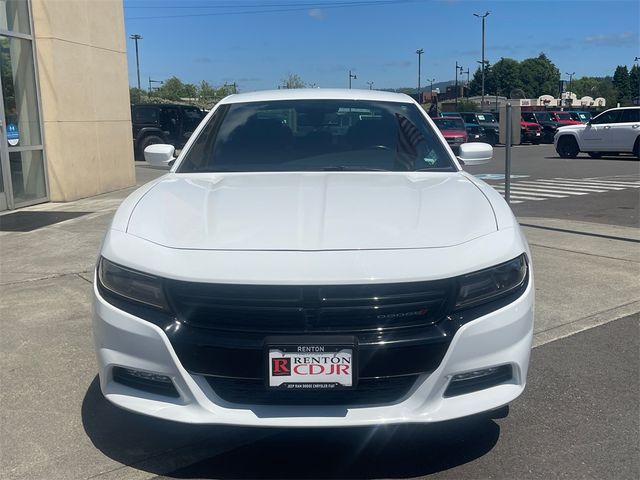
x=314, y=258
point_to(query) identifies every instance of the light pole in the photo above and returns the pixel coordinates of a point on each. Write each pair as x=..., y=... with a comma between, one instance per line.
x=458, y=68
x=154, y=81
x=135, y=37
x=467, y=72
x=637, y=59
x=350, y=77
x=486, y=14
x=370, y=85
x=420, y=51
x=570, y=79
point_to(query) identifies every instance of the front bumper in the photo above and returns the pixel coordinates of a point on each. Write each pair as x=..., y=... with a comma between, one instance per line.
x=502, y=337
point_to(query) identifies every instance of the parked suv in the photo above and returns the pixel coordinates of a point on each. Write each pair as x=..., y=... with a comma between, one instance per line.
x=168, y=124
x=546, y=122
x=614, y=131
x=486, y=120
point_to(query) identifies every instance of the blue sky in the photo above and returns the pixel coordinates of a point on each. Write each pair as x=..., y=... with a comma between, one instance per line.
x=320, y=40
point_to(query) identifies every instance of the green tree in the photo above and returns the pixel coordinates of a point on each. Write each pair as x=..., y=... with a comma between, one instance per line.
x=171, y=89
x=293, y=81
x=634, y=81
x=206, y=91
x=475, y=85
x=539, y=76
x=622, y=84
x=586, y=86
x=137, y=95
x=506, y=73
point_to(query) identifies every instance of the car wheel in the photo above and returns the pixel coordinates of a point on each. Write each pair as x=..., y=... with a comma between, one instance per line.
x=595, y=154
x=145, y=142
x=567, y=147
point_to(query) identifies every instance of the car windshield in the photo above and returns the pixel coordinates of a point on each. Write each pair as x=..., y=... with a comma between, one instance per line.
x=316, y=135
x=584, y=116
x=486, y=117
x=449, y=123
x=544, y=116
x=563, y=116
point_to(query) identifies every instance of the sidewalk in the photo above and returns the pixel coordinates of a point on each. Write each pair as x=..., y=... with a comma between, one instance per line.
x=55, y=423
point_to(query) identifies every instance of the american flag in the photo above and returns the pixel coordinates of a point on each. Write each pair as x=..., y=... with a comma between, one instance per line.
x=409, y=137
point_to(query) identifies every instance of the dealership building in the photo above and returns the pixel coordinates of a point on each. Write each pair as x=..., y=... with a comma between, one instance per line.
x=65, y=120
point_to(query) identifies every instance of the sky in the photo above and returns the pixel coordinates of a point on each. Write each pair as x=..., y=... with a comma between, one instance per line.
x=257, y=43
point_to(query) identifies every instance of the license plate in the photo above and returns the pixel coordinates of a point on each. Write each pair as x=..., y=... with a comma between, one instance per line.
x=537, y=134
x=311, y=366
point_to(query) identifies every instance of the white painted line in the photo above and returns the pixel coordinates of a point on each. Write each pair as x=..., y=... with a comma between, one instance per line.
x=560, y=187
x=598, y=184
x=545, y=190
x=588, y=186
x=543, y=195
x=521, y=197
x=604, y=182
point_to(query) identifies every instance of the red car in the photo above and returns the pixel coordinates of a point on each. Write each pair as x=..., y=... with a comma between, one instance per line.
x=564, y=118
x=453, y=130
x=530, y=132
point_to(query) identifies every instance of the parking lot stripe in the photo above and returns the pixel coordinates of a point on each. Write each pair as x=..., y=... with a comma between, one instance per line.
x=562, y=187
x=532, y=194
x=545, y=190
x=604, y=182
x=521, y=197
x=588, y=186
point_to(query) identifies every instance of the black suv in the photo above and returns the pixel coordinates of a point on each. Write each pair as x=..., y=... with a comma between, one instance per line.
x=546, y=122
x=170, y=124
x=487, y=121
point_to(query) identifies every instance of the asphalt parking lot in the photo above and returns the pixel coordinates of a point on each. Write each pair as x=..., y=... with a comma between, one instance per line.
x=579, y=417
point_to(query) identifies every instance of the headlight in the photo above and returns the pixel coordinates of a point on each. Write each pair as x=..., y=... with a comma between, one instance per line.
x=131, y=285
x=492, y=283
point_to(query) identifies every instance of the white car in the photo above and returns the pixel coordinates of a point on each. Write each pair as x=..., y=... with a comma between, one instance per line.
x=314, y=258
x=613, y=131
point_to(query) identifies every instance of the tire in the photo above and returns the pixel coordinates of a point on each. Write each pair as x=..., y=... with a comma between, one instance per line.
x=595, y=154
x=145, y=142
x=567, y=147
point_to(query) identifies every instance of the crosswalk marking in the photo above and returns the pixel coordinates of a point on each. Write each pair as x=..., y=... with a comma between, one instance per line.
x=563, y=187
x=553, y=188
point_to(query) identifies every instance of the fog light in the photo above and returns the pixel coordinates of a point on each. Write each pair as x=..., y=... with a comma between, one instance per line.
x=475, y=380
x=146, y=381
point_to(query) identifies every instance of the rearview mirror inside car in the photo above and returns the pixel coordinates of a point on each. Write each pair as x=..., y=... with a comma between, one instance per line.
x=159, y=155
x=475, y=153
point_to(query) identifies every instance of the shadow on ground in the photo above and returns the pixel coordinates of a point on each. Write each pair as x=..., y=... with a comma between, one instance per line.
x=622, y=158
x=390, y=451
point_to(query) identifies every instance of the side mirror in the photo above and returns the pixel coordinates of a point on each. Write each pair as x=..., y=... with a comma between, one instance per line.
x=475, y=153
x=159, y=155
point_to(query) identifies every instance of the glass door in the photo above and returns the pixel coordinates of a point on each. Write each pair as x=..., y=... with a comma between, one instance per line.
x=23, y=174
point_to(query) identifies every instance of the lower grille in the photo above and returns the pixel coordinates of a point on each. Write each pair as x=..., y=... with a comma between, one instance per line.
x=379, y=391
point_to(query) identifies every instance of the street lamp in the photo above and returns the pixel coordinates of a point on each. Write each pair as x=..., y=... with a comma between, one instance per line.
x=420, y=51
x=370, y=85
x=154, y=81
x=135, y=37
x=431, y=80
x=458, y=69
x=637, y=59
x=570, y=79
x=486, y=14
x=350, y=77
x=467, y=72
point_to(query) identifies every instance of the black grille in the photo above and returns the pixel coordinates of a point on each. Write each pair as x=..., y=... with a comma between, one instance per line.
x=305, y=309
x=368, y=392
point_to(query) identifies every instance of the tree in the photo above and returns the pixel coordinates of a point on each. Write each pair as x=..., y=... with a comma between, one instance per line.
x=539, y=76
x=206, y=91
x=475, y=85
x=634, y=81
x=171, y=89
x=293, y=81
x=622, y=84
x=507, y=77
x=137, y=95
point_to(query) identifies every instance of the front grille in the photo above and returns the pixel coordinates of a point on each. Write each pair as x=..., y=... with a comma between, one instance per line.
x=533, y=127
x=369, y=392
x=272, y=309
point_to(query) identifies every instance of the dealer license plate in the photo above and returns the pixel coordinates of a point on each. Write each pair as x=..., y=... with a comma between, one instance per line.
x=311, y=366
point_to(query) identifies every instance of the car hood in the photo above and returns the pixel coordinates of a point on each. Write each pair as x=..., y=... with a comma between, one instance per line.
x=454, y=133
x=312, y=211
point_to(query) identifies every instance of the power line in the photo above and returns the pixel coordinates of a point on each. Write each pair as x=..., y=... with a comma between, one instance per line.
x=282, y=10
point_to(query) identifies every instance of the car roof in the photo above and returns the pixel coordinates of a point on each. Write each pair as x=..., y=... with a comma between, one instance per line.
x=317, y=94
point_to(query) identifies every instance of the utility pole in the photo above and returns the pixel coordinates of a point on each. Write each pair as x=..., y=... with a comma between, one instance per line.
x=458, y=67
x=350, y=77
x=486, y=14
x=467, y=72
x=431, y=80
x=570, y=79
x=135, y=37
x=154, y=81
x=637, y=59
x=420, y=51
x=370, y=85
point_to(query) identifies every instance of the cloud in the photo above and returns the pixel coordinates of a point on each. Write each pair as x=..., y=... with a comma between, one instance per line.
x=624, y=39
x=317, y=14
x=204, y=60
x=398, y=63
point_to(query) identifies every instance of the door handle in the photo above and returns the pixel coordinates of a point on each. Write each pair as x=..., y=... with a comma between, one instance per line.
x=635, y=126
x=607, y=126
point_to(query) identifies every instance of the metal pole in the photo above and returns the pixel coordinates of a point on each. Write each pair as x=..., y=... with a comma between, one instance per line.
x=507, y=165
x=637, y=77
x=135, y=37
x=486, y=14
x=350, y=77
x=420, y=51
x=370, y=85
x=456, y=85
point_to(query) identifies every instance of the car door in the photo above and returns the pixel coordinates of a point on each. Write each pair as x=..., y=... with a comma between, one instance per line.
x=598, y=134
x=627, y=129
